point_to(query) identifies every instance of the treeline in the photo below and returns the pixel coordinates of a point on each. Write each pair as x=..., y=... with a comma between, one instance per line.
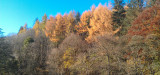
x=119, y=40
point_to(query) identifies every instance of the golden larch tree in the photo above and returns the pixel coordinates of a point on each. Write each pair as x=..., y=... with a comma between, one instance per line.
x=36, y=27
x=23, y=29
x=71, y=22
x=100, y=23
x=50, y=28
x=82, y=26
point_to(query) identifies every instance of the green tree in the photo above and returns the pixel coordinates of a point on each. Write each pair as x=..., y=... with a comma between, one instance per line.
x=118, y=15
x=26, y=58
x=133, y=9
x=78, y=15
x=43, y=22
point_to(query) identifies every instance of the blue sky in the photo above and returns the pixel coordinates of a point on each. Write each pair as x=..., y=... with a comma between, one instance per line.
x=15, y=13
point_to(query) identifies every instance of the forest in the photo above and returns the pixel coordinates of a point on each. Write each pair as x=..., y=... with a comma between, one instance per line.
x=118, y=39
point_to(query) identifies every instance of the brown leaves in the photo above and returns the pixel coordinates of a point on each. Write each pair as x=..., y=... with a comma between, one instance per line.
x=147, y=22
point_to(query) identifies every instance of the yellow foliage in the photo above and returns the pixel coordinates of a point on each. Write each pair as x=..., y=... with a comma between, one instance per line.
x=96, y=22
x=36, y=28
x=57, y=28
x=84, y=22
x=50, y=29
x=71, y=22
x=100, y=23
x=23, y=29
x=68, y=58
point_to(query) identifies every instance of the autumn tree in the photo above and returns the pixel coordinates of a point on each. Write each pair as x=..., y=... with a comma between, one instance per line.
x=39, y=26
x=71, y=44
x=142, y=54
x=56, y=28
x=100, y=23
x=84, y=23
x=152, y=54
x=105, y=56
x=23, y=29
x=60, y=29
x=61, y=59
x=36, y=27
x=147, y=22
x=50, y=28
x=43, y=22
x=147, y=26
x=71, y=23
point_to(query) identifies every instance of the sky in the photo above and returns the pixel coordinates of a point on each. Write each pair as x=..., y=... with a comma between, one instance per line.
x=15, y=13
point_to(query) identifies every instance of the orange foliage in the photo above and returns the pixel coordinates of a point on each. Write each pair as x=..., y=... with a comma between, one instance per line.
x=93, y=23
x=36, y=27
x=49, y=28
x=100, y=23
x=60, y=25
x=84, y=23
x=57, y=28
x=147, y=22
